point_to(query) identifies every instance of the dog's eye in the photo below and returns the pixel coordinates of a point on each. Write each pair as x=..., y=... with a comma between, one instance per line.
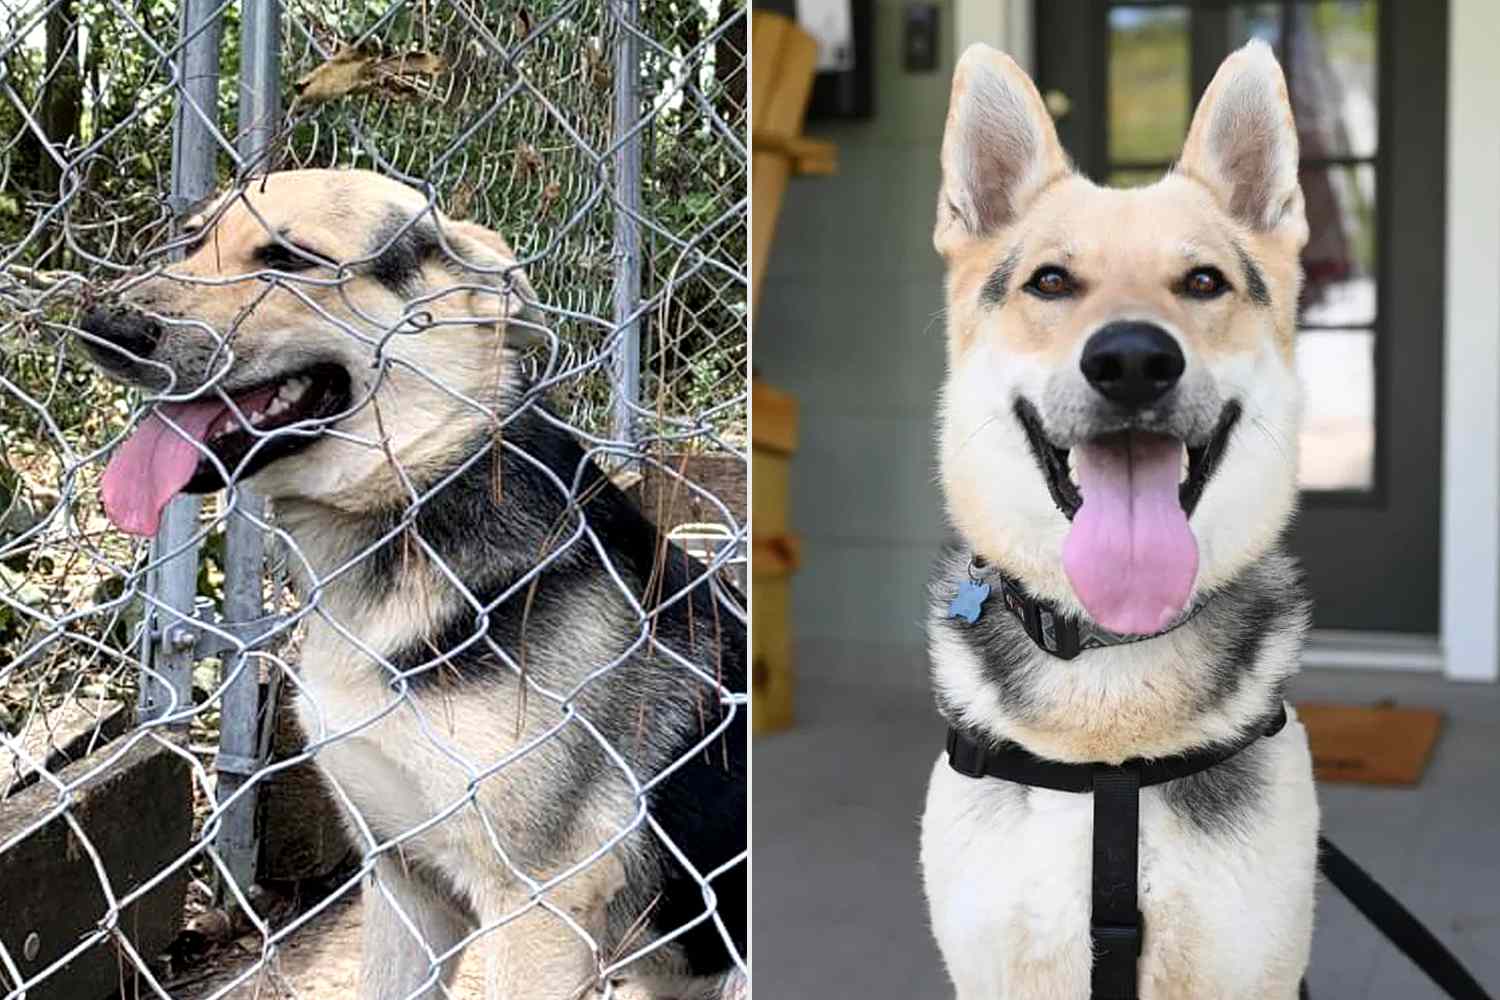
x=1204, y=283
x=283, y=257
x=1052, y=282
x=192, y=239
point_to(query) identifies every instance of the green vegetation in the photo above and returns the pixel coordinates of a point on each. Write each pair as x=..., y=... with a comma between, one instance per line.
x=1149, y=85
x=511, y=121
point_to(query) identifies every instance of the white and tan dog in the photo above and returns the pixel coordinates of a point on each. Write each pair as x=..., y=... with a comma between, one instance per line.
x=527, y=761
x=1118, y=440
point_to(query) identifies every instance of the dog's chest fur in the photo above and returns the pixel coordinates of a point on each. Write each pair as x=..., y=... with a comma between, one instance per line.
x=1227, y=914
x=1227, y=861
x=499, y=721
x=462, y=734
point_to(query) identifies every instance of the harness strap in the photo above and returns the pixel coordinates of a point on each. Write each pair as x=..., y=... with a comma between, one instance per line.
x=974, y=758
x=1115, y=925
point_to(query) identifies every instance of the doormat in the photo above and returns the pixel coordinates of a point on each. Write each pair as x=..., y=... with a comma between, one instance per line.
x=1370, y=744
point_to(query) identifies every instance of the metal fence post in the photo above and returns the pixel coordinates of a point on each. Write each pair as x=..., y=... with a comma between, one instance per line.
x=626, y=361
x=175, y=581
x=244, y=541
x=260, y=81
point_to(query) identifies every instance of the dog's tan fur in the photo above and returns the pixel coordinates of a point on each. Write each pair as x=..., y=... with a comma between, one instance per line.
x=430, y=379
x=1181, y=219
x=1160, y=230
x=1129, y=248
x=431, y=373
x=1007, y=873
x=391, y=447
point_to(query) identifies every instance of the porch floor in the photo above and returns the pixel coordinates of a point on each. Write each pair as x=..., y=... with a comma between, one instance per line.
x=838, y=908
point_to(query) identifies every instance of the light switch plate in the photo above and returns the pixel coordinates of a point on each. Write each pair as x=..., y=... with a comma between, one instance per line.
x=919, y=40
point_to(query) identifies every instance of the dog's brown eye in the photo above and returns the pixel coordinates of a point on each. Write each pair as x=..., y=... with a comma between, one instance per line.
x=1051, y=283
x=1205, y=283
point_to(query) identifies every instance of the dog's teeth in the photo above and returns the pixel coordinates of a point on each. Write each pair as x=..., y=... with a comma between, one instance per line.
x=278, y=406
x=292, y=389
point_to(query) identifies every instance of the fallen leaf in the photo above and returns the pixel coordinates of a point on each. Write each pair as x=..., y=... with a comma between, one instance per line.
x=366, y=69
x=549, y=195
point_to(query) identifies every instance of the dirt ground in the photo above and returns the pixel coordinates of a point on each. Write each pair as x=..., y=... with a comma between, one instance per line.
x=319, y=962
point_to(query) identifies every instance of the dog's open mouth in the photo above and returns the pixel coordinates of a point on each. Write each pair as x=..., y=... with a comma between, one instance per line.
x=165, y=455
x=1130, y=554
x=1060, y=470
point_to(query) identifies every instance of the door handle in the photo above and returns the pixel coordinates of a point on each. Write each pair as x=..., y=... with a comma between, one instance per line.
x=1058, y=104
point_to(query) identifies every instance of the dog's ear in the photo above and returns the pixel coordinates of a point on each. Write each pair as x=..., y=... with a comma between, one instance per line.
x=489, y=260
x=1243, y=143
x=999, y=148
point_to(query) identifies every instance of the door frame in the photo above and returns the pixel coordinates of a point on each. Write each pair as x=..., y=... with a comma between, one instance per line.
x=1470, y=531
x=1468, y=645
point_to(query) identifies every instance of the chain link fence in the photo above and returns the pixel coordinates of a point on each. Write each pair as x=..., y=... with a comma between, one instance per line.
x=464, y=633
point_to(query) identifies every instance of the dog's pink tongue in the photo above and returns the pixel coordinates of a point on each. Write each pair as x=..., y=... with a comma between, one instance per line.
x=1130, y=554
x=155, y=463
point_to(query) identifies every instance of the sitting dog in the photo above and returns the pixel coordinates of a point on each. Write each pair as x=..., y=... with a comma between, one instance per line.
x=1118, y=455
x=509, y=737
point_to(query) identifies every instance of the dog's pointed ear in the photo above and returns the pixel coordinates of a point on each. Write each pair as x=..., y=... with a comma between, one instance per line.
x=999, y=148
x=489, y=260
x=1243, y=142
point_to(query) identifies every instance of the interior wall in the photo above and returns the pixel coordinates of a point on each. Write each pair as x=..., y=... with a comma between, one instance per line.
x=849, y=322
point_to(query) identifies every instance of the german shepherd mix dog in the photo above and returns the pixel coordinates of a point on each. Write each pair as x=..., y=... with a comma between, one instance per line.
x=493, y=726
x=1118, y=441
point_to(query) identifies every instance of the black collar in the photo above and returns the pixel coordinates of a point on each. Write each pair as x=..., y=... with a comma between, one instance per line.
x=1012, y=762
x=1062, y=636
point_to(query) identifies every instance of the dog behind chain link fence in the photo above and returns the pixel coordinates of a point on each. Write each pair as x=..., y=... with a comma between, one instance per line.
x=527, y=702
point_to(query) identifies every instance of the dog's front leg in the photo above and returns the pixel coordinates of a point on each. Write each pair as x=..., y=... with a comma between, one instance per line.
x=536, y=954
x=398, y=955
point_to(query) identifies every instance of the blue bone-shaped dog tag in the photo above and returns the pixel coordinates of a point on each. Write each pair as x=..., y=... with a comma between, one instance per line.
x=969, y=602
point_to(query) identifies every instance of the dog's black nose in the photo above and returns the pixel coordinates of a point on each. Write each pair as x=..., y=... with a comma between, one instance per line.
x=125, y=328
x=1132, y=364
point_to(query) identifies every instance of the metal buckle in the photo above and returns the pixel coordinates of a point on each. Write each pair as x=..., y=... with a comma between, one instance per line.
x=1109, y=937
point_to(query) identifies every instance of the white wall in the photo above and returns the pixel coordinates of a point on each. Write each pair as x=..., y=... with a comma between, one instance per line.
x=1471, y=406
x=847, y=322
x=1003, y=24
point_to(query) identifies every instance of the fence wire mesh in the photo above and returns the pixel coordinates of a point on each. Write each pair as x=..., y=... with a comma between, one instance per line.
x=372, y=498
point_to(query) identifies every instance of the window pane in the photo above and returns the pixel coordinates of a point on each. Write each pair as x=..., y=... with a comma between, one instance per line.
x=1339, y=261
x=1255, y=20
x=1337, y=368
x=1135, y=178
x=1333, y=79
x=1148, y=82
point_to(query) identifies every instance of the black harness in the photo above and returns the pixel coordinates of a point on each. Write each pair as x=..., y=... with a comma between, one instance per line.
x=1116, y=926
